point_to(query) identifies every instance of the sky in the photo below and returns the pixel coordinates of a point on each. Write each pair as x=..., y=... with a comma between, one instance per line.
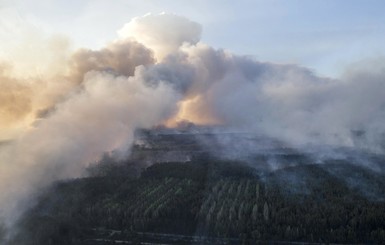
x=77, y=78
x=325, y=35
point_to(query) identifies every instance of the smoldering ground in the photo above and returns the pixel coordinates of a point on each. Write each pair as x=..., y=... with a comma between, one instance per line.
x=150, y=76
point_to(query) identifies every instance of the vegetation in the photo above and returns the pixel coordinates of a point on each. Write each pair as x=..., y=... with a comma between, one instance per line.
x=189, y=196
x=209, y=198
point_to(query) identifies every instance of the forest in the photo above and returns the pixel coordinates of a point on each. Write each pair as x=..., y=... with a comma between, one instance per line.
x=207, y=200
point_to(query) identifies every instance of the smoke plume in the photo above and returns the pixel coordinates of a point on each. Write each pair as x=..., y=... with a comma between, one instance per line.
x=158, y=72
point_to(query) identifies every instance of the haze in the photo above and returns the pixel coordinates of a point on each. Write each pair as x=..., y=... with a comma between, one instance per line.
x=77, y=79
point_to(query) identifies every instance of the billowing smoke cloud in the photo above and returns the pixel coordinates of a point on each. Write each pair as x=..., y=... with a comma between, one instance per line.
x=285, y=101
x=70, y=118
x=120, y=57
x=12, y=97
x=23, y=98
x=101, y=117
x=27, y=96
x=158, y=72
x=164, y=33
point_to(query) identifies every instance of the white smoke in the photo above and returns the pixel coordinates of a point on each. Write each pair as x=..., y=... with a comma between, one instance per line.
x=111, y=92
x=99, y=118
x=286, y=101
x=164, y=33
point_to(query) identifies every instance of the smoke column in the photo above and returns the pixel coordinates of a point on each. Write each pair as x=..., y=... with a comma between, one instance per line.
x=158, y=72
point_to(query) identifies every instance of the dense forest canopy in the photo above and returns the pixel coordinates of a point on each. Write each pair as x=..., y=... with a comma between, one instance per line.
x=203, y=198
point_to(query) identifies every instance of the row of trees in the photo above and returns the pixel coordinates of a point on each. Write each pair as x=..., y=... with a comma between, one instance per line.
x=205, y=198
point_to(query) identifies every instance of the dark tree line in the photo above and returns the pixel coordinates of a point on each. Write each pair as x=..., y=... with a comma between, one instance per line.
x=205, y=197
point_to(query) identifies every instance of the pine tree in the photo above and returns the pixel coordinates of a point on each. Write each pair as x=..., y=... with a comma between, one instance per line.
x=266, y=212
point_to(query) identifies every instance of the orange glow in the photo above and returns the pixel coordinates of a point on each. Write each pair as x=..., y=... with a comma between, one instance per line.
x=191, y=110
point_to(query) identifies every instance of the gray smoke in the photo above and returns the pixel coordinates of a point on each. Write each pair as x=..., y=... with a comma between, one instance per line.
x=158, y=72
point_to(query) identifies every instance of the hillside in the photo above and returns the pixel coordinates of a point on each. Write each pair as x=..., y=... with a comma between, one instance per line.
x=188, y=187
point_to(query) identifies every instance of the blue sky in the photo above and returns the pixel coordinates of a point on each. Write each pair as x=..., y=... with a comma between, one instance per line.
x=325, y=35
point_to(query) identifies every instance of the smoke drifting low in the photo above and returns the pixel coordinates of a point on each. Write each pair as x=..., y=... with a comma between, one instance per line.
x=157, y=72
